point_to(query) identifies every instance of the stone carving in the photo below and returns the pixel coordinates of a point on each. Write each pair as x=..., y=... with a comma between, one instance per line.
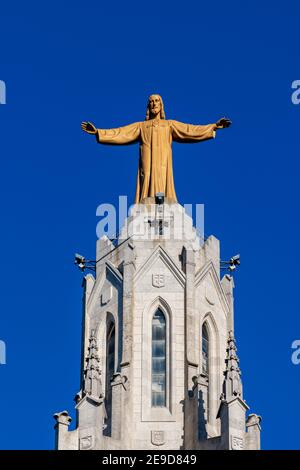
x=158, y=280
x=106, y=295
x=210, y=295
x=63, y=418
x=201, y=379
x=232, y=386
x=119, y=379
x=237, y=443
x=92, y=373
x=86, y=442
x=253, y=420
x=158, y=438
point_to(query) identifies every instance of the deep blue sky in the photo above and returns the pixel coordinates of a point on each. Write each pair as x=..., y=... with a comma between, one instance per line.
x=68, y=61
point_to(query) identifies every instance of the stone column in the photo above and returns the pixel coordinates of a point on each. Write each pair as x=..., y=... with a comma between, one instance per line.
x=232, y=411
x=232, y=414
x=118, y=388
x=63, y=421
x=228, y=286
x=188, y=261
x=188, y=258
x=253, y=432
x=128, y=273
x=90, y=422
x=118, y=385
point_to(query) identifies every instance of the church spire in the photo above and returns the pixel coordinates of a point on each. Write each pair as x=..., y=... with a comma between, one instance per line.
x=92, y=375
x=232, y=386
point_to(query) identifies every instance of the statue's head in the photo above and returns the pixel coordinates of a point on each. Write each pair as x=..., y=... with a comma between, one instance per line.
x=155, y=107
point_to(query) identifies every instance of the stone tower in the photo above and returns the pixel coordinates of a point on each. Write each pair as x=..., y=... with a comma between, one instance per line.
x=159, y=367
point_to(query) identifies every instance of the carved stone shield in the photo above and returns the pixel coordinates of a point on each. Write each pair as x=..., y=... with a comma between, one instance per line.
x=158, y=280
x=86, y=442
x=237, y=443
x=158, y=438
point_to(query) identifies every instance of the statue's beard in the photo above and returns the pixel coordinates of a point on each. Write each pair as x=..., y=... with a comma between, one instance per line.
x=155, y=112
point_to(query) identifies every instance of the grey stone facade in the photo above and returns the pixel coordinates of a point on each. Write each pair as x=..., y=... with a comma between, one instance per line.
x=159, y=262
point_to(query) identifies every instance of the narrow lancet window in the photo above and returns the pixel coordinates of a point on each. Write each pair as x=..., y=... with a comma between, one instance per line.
x=110, y=370
x=205, y=350
x=158, y=359
x=205, y=385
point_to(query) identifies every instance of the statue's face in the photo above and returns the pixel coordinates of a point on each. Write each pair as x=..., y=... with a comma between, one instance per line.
x=154, y=105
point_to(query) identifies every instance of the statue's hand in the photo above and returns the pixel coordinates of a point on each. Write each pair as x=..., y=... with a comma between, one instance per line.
x=223, y=123
x=88, y=127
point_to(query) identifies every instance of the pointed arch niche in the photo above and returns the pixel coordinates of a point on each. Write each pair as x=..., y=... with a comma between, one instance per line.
x=210, y=366
x=107, y=333
x=110, y=368
x=157, y=384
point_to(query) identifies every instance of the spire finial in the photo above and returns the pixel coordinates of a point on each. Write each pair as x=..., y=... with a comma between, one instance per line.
x=232, y=386
x=92, y=373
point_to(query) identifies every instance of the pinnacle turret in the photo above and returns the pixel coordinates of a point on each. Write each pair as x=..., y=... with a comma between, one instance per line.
x=232, y=386
x=92, y=375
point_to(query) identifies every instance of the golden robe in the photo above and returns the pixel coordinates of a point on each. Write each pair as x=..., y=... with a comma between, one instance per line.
x=155, y=171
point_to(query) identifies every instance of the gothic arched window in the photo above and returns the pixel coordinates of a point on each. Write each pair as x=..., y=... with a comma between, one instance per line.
x=205, y=350
x=205, y=385
x=110, y=370
x=159, y=341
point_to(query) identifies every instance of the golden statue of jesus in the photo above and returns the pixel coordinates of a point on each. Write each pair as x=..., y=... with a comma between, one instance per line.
x=155, y=136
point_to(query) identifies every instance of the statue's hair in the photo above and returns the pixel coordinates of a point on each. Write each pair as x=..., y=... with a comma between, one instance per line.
x=162, y=111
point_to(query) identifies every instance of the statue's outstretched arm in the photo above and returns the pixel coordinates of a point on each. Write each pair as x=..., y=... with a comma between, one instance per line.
x=182, y=132
x=119, y=136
